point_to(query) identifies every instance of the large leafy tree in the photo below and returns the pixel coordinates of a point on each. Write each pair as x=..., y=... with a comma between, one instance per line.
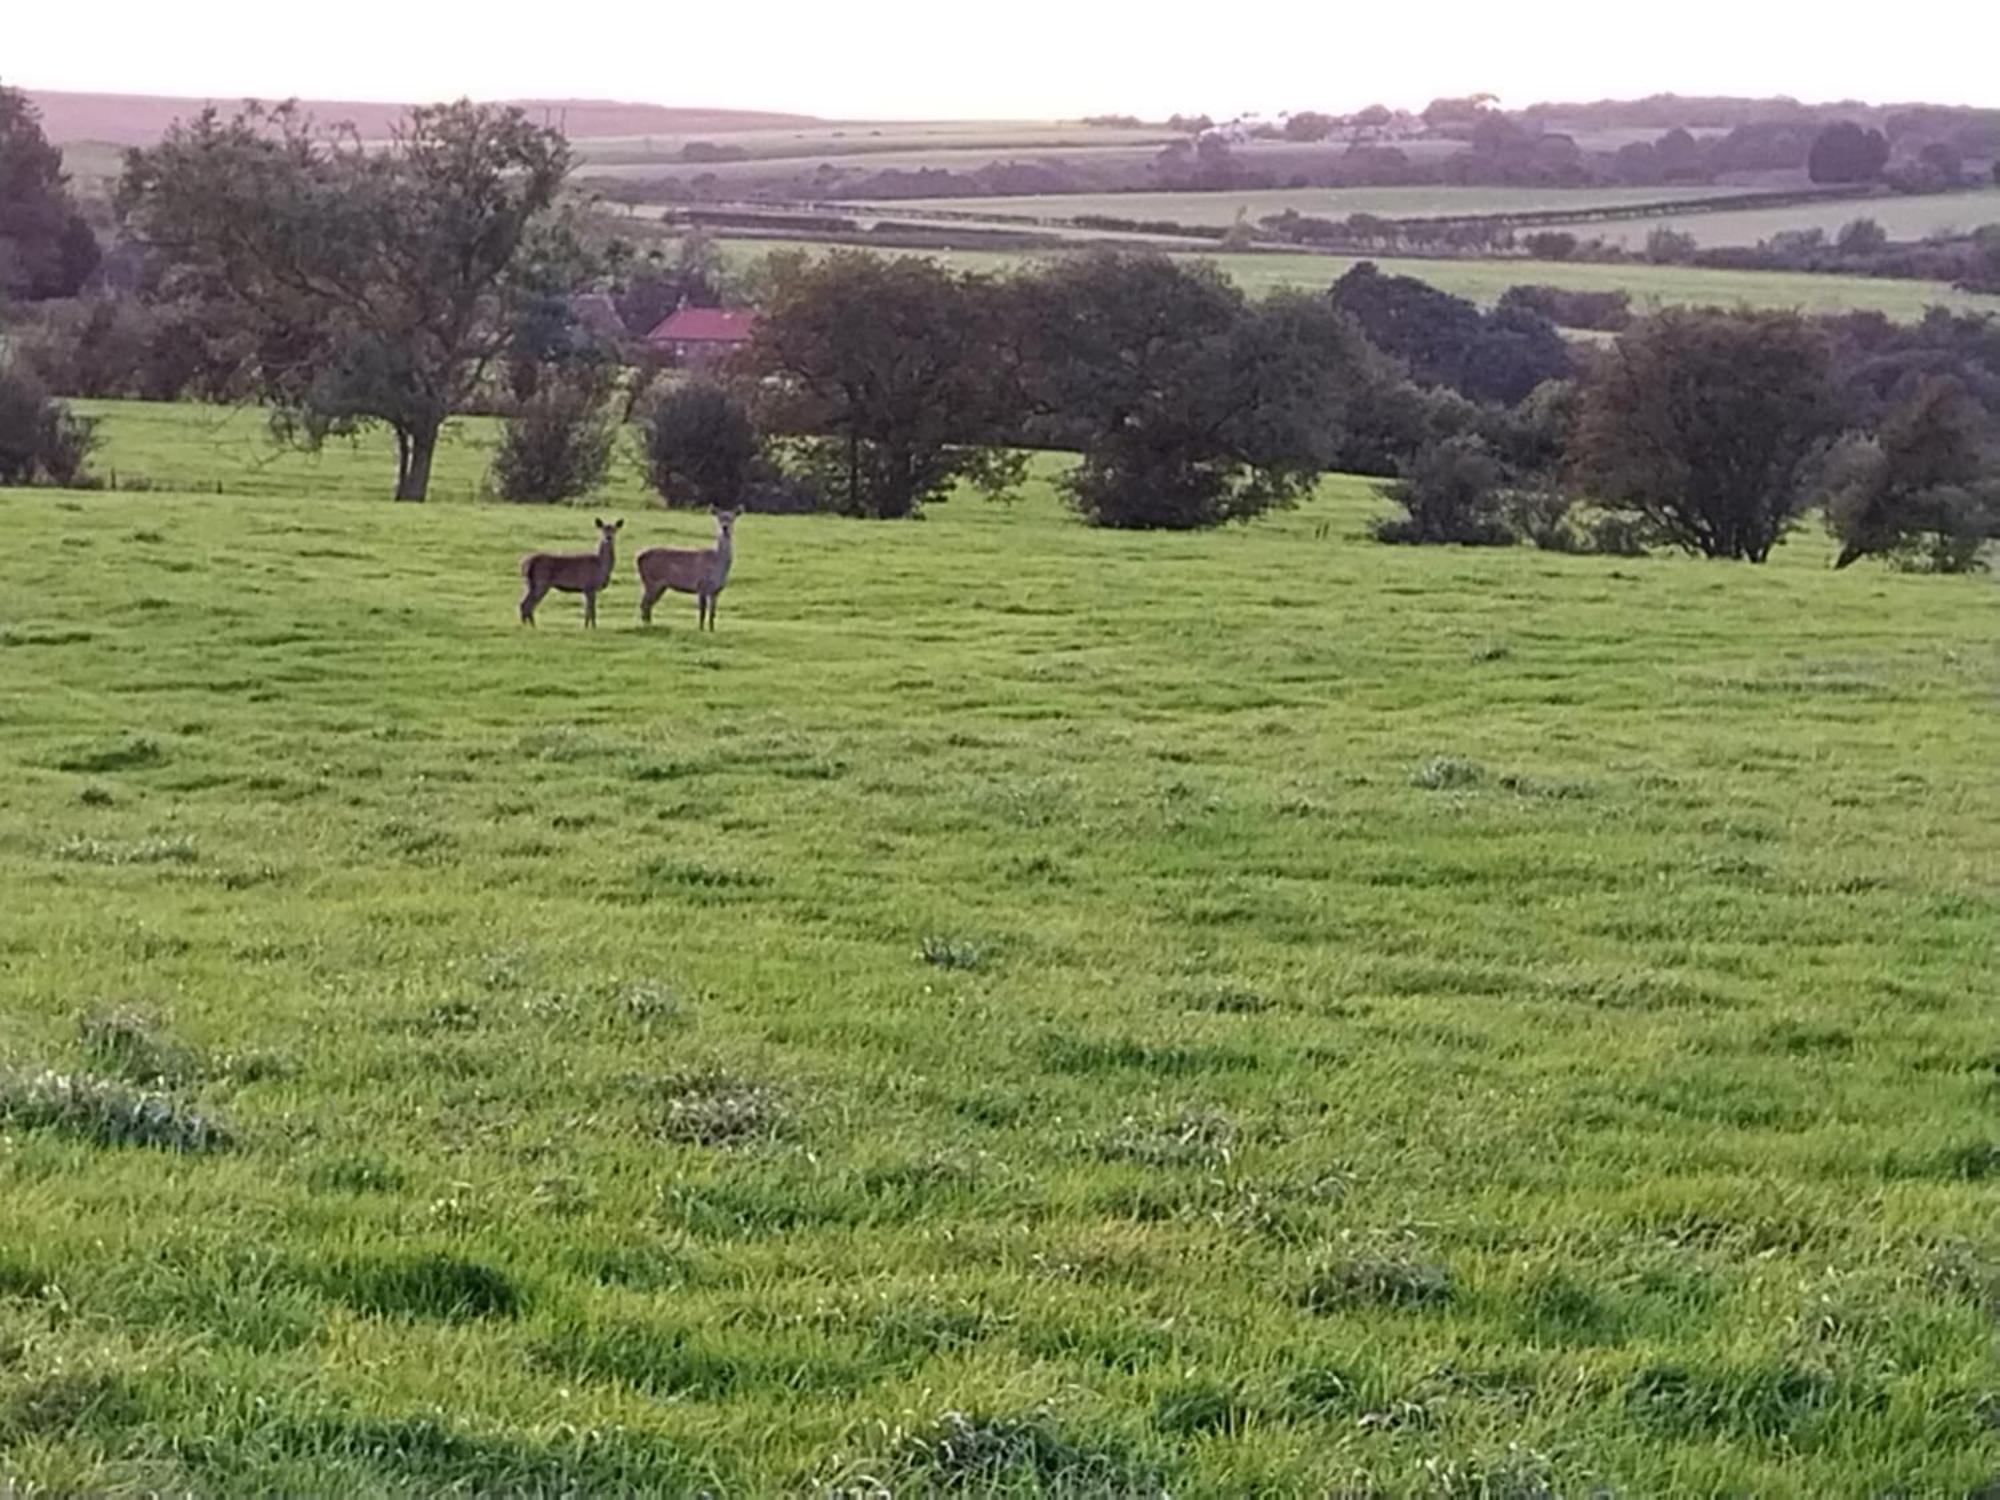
x=1191, y=406
x=1710, y=425
x=360, y=282
x=883, y=372
x=46, y=247
x=1922, y=489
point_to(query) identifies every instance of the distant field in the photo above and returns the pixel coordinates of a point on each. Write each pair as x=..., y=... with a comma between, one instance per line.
x=662, y=151
x=1906, y=218
x=1337, y=203
x=1018, y=1011
x=1485, y=280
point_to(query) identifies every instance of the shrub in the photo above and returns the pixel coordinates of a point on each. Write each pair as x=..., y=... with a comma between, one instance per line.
x=557, y=444
x=1709, y=425
x=701, y=447
x=41, y=441
x=105, y=1113
x=1452, y=492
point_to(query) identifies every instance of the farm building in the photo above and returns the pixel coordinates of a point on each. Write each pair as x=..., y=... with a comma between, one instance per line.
x=696, y=335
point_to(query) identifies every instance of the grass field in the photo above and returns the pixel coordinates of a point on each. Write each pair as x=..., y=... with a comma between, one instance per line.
x=1486, y=280
x=1017, y=1010
x=1911, y=218
x=1338, y=203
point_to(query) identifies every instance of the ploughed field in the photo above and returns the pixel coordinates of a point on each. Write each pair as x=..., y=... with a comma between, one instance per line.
x=1018, y=1009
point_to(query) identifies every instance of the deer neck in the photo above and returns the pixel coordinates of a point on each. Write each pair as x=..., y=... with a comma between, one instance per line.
x=606, y=556
x=722, y=553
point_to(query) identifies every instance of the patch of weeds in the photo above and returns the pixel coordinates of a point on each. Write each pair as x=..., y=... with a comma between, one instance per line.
x=1520, y=1473
x=356, y=1174
x=1978, y=1161
x=106, y=1113
x=64, y=1403
x=136, y=1048
x=1223, y=999
x=1803, y=1038
x=449, y=1015
x=952, y=953
x=1556, y=1306
x=1323, y=1389
x=96, y=796
x=1069, y=1055
x=979, y=1454
x=433, y=1285
x=1492, y=651
x=700, y=876
x=177, y=849
x=1764, y=1401
x=133, y=753
x=1390, y=1277
x=709, y=1107
x=1960, y=1270
x=1447, y=773
x=648, y=1002
x=1194, y=1138
x=1553, y=790
x=1199, y=1409
x=14, y=635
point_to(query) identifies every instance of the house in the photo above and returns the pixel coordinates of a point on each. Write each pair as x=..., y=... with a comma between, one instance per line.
x=701, y=335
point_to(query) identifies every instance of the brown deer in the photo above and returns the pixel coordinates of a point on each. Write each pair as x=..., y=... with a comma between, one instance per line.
x=573, y=572
x=701, y=573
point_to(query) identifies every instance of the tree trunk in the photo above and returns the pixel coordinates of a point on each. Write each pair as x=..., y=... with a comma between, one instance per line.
x=414, y=451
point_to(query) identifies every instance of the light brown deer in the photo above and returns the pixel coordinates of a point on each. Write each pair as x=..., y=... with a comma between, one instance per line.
x=572, y=572
x=701, y=573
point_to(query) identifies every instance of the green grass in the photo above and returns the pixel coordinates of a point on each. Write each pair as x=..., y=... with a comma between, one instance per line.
x=1390, y=202
x=1018, y=1009
x=1485, y=280
x=1905, y=218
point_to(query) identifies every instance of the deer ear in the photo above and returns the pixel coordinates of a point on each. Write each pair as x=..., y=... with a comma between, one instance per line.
x=621, y=524
x=598, y=522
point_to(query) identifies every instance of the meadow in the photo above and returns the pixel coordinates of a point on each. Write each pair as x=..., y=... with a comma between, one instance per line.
x=1017, y=1010
x=1916, y=217
x=1485, y=281
x=1221, y=207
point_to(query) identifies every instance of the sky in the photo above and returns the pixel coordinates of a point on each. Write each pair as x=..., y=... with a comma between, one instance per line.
x=1005, y=59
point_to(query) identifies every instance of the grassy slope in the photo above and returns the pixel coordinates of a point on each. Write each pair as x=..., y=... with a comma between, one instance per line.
x=1392, y=202
x=1905, y=218
x=1486, y=280
x=1665, y=1039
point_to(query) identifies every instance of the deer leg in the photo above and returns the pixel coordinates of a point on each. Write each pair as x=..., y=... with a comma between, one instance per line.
x=528, y=602
x=646, y=602
x=590, y=609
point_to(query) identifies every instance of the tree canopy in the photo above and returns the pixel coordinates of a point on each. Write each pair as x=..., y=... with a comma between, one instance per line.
x=1708, y=424
x=46, y=247
x=358, y=283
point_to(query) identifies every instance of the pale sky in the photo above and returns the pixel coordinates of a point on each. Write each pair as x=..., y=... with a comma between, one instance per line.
x=932, y=59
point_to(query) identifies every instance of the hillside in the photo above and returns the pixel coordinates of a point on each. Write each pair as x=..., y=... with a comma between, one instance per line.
x=140, y=119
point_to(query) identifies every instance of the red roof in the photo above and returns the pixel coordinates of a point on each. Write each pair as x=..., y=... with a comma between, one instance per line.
x=705, y=325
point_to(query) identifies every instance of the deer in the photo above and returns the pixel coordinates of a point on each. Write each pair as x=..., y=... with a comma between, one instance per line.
x=573, y=572
x=701, y=573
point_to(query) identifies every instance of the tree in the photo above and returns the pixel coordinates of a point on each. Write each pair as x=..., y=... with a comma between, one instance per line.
x=1451, y=492
x=46, y=247
x=701, y=447
x=1550, y=244
x=1190, y=406
x=1707, y=424
x=1924, y=488
x=1844, y=152
x=365, y=283
x=1667, y=247
x=1309, y=125
x=40, y=440
x=886, y=370
x=557, y=444
x=1861, y=237
x=1446, y=340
